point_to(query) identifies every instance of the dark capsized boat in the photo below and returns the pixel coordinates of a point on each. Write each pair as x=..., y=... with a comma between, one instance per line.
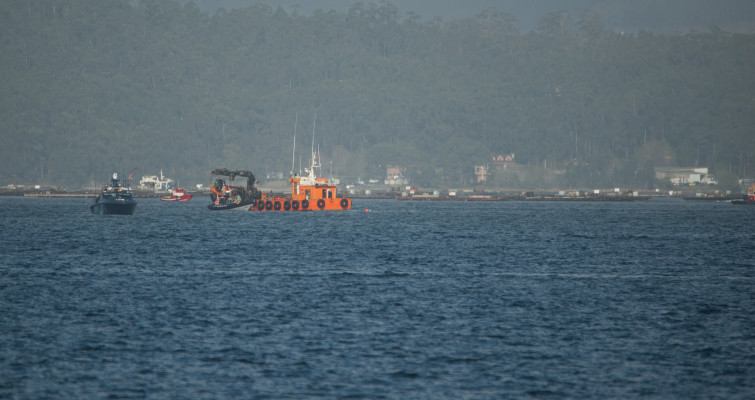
x=114, y=199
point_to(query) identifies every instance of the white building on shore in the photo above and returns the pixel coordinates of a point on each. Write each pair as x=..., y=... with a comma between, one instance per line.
x=156, y=183
x=685, y=175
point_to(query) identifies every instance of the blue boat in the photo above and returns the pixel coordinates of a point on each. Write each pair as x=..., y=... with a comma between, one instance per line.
x=114, y=199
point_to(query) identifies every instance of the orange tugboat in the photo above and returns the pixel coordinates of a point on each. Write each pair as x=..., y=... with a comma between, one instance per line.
x=308, y=192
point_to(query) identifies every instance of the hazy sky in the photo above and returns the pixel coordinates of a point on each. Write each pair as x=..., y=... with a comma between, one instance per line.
x=631, y=15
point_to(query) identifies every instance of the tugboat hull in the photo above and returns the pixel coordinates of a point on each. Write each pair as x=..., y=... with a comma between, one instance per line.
x=280, y=203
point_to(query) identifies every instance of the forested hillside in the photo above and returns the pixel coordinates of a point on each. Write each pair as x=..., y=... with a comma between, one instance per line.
x=90, y=87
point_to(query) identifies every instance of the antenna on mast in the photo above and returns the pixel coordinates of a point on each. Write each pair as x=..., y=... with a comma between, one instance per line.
x=314, y=124
x=293, y=153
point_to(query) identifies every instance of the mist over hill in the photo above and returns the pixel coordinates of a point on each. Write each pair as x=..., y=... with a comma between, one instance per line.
x=91, y=87
x=669, y=16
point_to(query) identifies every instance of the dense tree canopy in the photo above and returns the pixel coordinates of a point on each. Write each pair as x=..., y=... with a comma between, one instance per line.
x=90, y=87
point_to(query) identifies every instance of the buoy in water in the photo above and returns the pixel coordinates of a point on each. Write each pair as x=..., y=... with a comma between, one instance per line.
x=366, y=210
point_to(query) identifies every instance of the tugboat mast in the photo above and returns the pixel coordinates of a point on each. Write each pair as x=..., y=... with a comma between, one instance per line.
x=293, y=152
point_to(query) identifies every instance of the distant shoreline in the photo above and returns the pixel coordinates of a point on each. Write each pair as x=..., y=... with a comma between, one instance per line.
x=431, y=195
x=475, y=197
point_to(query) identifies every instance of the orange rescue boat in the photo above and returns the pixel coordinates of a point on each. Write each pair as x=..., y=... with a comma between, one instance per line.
x=225, y=196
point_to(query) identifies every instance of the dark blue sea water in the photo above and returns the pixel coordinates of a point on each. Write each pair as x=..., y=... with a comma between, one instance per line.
x=411, y=300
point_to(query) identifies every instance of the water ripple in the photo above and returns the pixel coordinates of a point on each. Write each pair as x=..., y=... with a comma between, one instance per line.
x=411, y=300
